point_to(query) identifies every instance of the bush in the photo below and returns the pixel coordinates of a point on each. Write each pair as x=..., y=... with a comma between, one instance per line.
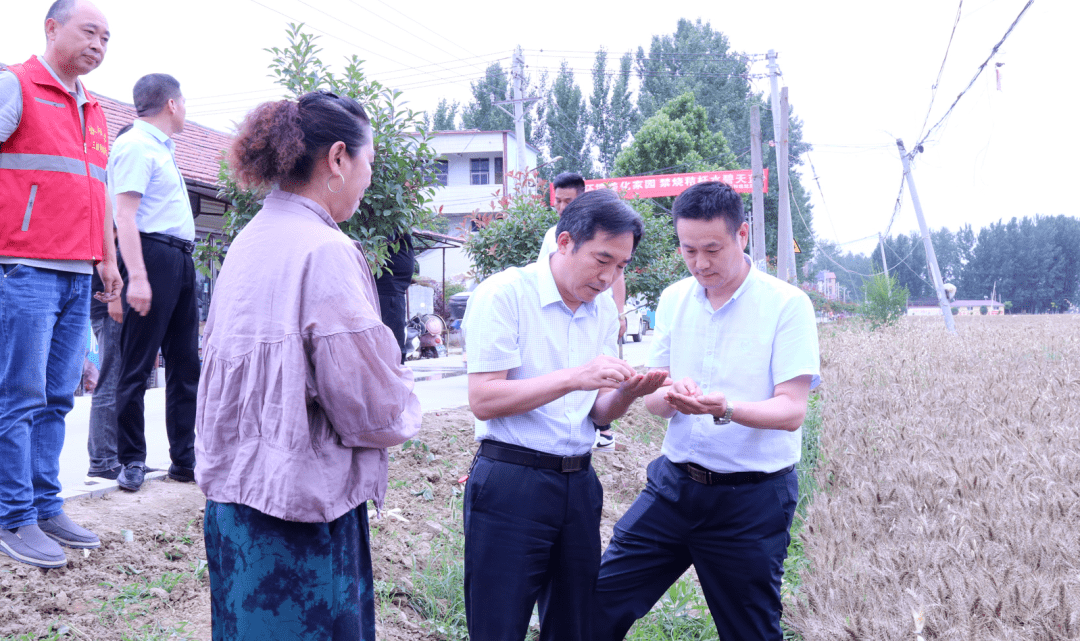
x=983, y=310
x=511, y=234
x=886, y=300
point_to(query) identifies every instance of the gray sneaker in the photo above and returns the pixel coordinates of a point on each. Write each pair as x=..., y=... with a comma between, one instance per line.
x=30, y=545
x=64, y=531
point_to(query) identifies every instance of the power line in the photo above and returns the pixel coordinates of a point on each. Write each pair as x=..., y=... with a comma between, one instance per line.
x=937, y=81
x=993, y=52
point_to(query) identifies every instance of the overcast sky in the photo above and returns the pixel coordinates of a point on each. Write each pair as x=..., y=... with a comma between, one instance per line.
x=859, y=76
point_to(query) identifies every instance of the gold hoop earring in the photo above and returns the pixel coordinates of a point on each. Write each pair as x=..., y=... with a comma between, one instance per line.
x=332, y=190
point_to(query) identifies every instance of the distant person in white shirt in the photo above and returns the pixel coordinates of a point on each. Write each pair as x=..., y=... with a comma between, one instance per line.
x=742, y=349
x=542, y=369
x=156, y=231
x=569, y=185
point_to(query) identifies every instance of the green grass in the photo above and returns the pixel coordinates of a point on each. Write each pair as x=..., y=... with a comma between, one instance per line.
x=681, y=614
x=796, y=561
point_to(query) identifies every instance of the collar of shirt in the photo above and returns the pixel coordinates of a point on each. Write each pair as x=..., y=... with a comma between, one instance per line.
x=700, y=295
x=305, y=202
x=157, y=134
x=79, y=93
x=548, y=290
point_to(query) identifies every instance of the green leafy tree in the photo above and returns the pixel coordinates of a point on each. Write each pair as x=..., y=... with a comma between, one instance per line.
x=698, y=59
x=567, y=120
x=445, y=116
x=676, y=139
x=886, y=301
x=482, y=113
x=612, y=113
x=401, y=186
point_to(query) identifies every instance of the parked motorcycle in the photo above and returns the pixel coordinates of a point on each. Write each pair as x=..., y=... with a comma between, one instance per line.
x=423, y=335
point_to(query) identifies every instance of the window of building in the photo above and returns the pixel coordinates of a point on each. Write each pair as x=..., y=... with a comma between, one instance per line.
x=479, y=169
x=498, y=170
x=442, y=171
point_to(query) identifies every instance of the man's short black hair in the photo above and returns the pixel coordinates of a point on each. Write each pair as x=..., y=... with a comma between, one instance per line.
x=570, y=180
x=153, y=91
x=600, y=210
x=61, y=11
x=708, y=200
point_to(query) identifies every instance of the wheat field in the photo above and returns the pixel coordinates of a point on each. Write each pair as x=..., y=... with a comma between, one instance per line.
x=949, y=502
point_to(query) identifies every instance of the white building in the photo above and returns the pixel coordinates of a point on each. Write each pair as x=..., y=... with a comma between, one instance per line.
x=471, y=169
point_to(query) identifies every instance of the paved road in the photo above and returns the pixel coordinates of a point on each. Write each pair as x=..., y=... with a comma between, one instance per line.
x=440, y=383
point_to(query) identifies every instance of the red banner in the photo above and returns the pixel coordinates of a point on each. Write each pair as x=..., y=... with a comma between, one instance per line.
x=673, y=184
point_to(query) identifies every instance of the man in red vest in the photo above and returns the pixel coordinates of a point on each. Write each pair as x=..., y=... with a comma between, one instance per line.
x=55, y=227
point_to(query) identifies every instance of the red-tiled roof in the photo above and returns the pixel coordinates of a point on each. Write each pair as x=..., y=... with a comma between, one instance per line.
x=198, y=149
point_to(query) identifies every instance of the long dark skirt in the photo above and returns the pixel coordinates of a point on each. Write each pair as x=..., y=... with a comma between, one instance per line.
x=275, y=579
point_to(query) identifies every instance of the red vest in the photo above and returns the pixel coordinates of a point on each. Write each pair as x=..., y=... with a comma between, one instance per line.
x=52, y=177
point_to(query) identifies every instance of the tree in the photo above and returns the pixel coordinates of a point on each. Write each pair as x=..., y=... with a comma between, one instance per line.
x=401, y=187
x=886, y=301
x=445, y=116
x=676, y=139
x=656, y=262
x=481, y=113
x=698, y=59
x=567, y=120
x=612, y=113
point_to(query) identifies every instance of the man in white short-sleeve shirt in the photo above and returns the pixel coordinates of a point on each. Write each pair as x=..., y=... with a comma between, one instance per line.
x=156, y=231
x=741, y=348
x=566, y=187
x=541, y=345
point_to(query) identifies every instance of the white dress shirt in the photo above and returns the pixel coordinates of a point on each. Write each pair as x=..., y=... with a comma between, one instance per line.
x=765, y=335
x=517, y=321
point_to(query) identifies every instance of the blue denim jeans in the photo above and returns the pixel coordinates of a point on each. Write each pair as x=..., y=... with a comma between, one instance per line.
x=43, y=320
x=101, y=444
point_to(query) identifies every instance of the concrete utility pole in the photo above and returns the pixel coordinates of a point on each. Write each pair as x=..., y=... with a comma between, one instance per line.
x=884, y=265
x=785, y=240
x=519, y=106
x=931, y=257
x=757, y=215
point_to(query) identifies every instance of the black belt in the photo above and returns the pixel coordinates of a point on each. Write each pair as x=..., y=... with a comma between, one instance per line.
x=185, y=246
x=531, y=458
x=708, y=477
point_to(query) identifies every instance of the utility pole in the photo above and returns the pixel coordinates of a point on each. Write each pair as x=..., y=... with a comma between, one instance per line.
x=519, y=107
x=931, y=257
x=884, y=265
x=785, y=241
x=518, y=73
x=757, y=213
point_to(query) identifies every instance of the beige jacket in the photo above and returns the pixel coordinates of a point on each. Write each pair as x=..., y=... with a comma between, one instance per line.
x=302, y=389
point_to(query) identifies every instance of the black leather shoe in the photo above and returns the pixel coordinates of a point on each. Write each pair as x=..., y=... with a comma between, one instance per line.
x=131, y=477
x=181, y=474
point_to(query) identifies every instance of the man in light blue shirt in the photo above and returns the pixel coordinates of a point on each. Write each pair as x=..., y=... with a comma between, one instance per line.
x=156, y=230
x=741, y=347
x=542, y=369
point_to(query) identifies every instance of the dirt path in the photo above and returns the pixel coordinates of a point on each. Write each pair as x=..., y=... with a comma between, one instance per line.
x=155, y=586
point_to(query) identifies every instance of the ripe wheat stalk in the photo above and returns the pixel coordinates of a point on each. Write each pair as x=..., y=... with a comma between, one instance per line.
x=950, y=484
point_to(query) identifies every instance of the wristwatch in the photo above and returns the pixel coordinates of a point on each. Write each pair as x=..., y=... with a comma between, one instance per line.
x=726, y=418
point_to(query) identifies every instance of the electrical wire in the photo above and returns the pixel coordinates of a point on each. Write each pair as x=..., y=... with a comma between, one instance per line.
x=937, y=81
x=978, y=72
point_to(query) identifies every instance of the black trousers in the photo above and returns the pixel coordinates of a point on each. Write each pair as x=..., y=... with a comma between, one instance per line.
x=736, y=537
x=531, y=535
x=392, y=307
x=172, y=324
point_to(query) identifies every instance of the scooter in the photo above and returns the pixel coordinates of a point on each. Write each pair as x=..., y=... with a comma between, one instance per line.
x=423, y=335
